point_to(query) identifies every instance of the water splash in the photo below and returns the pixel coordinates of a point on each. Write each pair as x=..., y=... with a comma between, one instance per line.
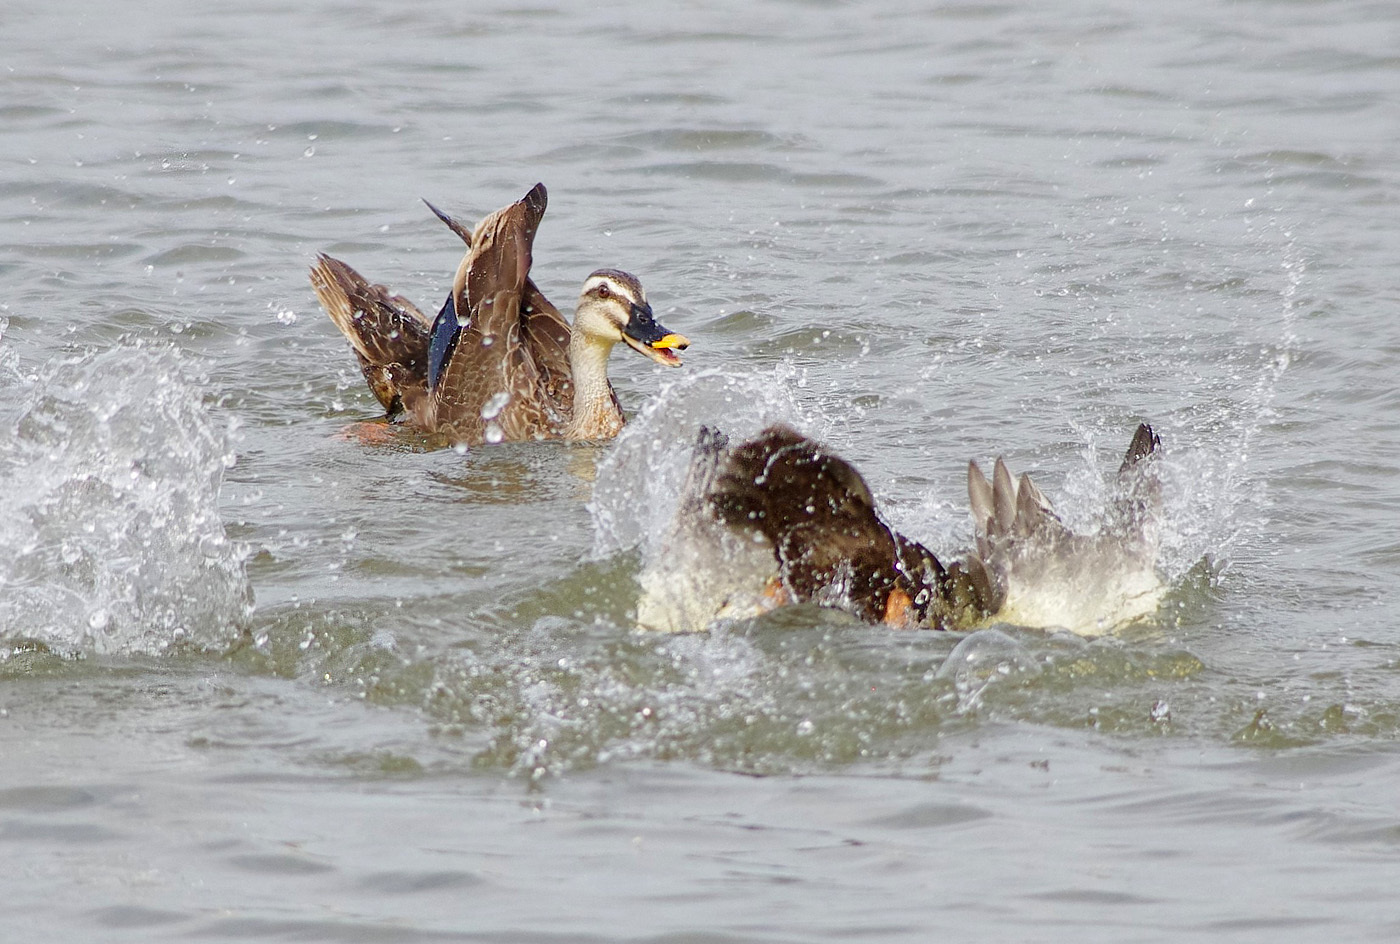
x=1215, y=500
x=110, y=536
x=693, y=575
x=639, y=481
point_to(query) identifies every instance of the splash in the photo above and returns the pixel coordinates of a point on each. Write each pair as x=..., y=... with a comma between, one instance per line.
x=1045, y=575
x=639, y=481
x=1215, y=502
x=689, y=577
x=1211, y=500
x=110, y=536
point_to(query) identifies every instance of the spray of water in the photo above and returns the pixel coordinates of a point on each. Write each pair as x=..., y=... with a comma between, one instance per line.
x=110, y=535
x=639, y=481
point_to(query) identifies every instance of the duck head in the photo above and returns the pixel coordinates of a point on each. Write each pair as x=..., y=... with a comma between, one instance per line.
x=613, y=307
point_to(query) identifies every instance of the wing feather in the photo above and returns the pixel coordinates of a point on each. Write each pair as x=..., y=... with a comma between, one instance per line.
x=389, y=334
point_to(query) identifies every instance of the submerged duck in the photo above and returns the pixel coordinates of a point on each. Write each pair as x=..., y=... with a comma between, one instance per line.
x=782, y=519
x=499, y=362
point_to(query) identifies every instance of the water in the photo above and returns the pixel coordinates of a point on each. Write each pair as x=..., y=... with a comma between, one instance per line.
x=263, y=681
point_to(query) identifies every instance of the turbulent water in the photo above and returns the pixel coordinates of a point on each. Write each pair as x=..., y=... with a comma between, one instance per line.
x=262, y=679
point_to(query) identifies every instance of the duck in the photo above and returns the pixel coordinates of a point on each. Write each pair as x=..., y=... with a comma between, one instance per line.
x=809, y=530
x=498, y=362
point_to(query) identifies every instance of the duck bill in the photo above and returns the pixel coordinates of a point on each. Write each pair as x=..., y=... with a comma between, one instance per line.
x=645, y=336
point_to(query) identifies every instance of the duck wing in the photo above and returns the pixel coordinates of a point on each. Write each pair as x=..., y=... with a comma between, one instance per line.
x=489, y=361
x=543, y=330
x=545, y=334
x=1136, y=514
x=390, y=336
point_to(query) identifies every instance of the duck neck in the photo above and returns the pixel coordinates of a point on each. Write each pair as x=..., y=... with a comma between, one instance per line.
x=595, y=414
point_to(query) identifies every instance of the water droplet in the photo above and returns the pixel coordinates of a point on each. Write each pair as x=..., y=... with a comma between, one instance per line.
x=309, y=152
x=493, y=407
x=99, y=619
x=494, y=433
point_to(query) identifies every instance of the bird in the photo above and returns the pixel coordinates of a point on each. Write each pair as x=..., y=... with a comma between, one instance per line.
x=499, y=362
x=811, y=532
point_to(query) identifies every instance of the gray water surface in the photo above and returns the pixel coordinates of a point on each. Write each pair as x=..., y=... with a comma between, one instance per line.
x=264, y=681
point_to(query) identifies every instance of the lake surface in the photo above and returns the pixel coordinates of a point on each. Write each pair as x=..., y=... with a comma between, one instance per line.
x=260, y=680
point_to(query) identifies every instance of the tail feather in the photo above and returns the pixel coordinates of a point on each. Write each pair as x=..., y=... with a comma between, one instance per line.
x=980, y=498
x=1144, y=445
x=1041, y=573
x=1003, y=497
x=1007, y=507
x=389, y=334
x=463, y=231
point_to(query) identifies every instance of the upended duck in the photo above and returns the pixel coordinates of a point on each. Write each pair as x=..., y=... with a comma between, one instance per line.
x=499, y=362
x=782, y=519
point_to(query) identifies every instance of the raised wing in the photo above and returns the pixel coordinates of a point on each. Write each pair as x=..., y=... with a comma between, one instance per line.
x=390, y=336
x=489, y=374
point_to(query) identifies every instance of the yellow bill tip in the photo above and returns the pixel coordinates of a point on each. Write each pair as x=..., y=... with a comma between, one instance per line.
x=672, y=342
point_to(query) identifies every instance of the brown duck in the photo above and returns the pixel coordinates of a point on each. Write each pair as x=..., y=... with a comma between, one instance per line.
x=828, y=544
x=499, y=362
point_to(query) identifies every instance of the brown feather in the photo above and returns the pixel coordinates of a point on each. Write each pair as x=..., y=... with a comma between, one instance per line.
x=462, y=230
x=1145, y=443
x=831, y=545
x=389, y=334
x=495, y=353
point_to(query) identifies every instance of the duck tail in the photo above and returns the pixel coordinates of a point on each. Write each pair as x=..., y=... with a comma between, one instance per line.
x=1042, y=573
x=390, y=336
x=1010, y=515
x=1138, y=507
x=1006, y=508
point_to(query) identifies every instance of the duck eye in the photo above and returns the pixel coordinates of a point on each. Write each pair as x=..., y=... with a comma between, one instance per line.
x=602, y=290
